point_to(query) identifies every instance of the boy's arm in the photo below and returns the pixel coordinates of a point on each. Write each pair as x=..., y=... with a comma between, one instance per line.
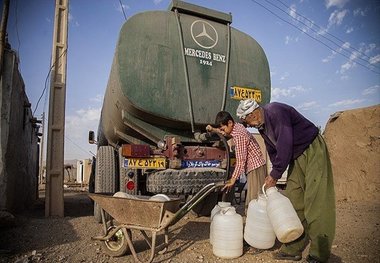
x=209, y=128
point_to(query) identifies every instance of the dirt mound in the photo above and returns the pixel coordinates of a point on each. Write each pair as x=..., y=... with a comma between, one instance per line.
x=353, y=140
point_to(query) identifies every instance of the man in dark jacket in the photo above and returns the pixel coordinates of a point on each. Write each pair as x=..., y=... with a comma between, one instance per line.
x=293, y=140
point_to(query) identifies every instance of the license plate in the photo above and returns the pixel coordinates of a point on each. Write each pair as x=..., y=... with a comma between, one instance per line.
x=240, y=93
x=145, y=163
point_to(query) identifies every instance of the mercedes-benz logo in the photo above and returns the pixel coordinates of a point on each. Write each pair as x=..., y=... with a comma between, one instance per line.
x=204, y=34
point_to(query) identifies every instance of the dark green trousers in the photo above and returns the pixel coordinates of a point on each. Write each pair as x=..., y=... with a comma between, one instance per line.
x=310, y=188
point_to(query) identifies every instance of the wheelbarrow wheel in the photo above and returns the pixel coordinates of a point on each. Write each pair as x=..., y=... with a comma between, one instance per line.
x=117, y=245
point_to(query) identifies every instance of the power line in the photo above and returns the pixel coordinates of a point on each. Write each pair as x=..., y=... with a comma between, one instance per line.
x=322, y=35
x=324, y=30
x=84, y=150
x=318, y=33
x=43, y=91
x=77, y=145
x=122, y=9
x=46, y=81
x=365, y=66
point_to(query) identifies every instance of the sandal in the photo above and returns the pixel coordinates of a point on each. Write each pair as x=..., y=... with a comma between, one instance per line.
x=311, y=259
x=283, y=256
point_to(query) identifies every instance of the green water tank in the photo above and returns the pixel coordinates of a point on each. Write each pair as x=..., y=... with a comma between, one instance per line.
x=174, y=70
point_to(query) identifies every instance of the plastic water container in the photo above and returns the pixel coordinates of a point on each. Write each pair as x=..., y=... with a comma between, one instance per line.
x=125, y=195
x=258, y=231
x=228, y=234
x=217, y=208
x=284, y=219
x=160, y=197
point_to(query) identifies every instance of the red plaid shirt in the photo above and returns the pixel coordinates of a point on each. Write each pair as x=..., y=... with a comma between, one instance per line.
x=247, y=150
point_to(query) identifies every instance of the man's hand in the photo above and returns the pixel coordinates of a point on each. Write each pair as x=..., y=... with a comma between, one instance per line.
x=229, y=185
x=270, y=181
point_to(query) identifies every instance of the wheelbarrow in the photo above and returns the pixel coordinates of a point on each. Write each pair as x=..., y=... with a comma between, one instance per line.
x=144, y=215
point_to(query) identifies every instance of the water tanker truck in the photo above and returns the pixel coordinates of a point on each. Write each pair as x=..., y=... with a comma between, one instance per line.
x=172, y=72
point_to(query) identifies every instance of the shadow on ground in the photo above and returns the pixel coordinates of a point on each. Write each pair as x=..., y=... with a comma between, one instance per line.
x=18, y=237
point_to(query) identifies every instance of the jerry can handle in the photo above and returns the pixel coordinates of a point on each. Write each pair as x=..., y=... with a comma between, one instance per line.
x=263, y=189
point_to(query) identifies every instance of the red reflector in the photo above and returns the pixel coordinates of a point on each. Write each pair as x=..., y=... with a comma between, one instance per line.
x=130, y=185
x=135, y=150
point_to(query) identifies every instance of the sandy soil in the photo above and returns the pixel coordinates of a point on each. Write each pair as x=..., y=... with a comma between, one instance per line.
x=353, y=140
x=34, y=238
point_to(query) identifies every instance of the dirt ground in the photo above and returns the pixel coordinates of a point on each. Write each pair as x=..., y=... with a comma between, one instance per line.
x=34, y=238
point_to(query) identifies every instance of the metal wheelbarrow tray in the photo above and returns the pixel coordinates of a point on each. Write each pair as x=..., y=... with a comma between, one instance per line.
x=144, y=215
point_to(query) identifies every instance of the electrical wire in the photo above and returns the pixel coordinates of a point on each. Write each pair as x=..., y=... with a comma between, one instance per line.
x=320, y=34
x=324, y=30
x=70, y=140
x=300, y=29
x=46, y=81
x=122, y=9
x=79, y=147
x=43, y=91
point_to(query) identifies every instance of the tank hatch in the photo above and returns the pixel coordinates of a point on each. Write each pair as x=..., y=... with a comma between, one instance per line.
x=199, y=11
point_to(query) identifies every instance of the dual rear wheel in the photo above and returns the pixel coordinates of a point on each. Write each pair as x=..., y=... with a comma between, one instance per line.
x=105, y=176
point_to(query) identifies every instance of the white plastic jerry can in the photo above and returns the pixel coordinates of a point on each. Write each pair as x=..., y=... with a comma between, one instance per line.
x=228, y=234
x=258, y=231
x=217, y=208
x=283, y=217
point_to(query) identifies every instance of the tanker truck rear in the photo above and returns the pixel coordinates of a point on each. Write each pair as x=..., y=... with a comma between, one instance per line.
x=172, y=72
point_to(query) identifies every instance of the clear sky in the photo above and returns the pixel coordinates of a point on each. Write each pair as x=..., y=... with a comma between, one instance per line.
x=324, y=56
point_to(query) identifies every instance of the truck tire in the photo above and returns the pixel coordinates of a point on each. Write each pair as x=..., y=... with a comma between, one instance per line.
x=187, y=181
x=105, y=176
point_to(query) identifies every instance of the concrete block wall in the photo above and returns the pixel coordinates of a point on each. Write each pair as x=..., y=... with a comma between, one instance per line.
x=19, y=149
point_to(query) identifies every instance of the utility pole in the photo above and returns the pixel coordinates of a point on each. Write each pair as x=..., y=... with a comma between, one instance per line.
x=42, y=149
x=54, y=202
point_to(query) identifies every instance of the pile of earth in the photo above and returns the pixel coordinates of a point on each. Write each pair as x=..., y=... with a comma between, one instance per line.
x=353, y=140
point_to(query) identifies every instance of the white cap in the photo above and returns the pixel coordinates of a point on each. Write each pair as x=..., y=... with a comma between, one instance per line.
x=246, y=107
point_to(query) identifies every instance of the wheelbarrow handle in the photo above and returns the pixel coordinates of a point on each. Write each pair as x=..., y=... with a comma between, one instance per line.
x=199, y=196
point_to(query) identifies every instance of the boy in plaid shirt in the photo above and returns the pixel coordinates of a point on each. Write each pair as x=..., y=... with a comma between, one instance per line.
x=249, y=158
